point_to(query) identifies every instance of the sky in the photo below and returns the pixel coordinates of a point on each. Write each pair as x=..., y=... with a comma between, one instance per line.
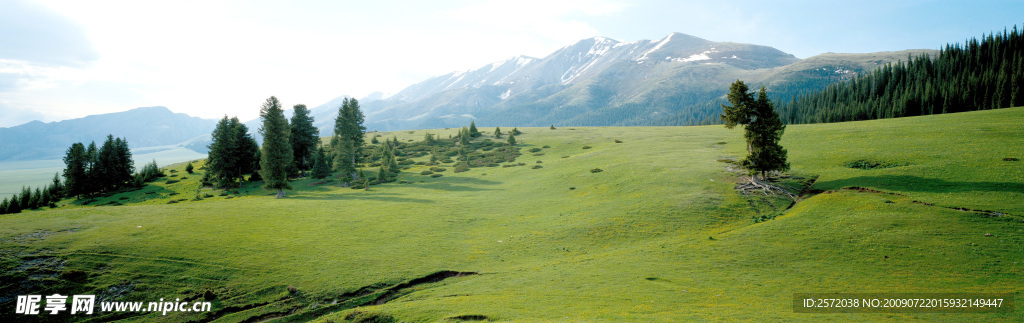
x=62, y=59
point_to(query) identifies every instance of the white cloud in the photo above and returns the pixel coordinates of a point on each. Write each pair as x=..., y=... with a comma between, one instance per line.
x=550, y=20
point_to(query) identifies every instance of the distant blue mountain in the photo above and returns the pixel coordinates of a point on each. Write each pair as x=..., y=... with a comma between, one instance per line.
x=141, y=127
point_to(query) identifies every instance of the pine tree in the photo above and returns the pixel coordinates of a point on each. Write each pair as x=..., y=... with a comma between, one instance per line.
x=277, y=151
x=189, y=168
x=515, y=131
x=344, y=162
x=473, y=132
x=233, y=152
x=464, y=137
x=305, y=138
x=349, y=124
x=433, y=156
x=27, y=202
x=762, y=128
x=740, y=111
x=320, y=168
x=91, y=173
x=511, y=140
x=389, y=161
x=428, y=139
x=382, y=175
x=75, y=170
x=43, y=196
x=765, y=133
x=14, y=206
x=4, y=206
x=57, y=188
x=222, y=162
x=497, y=132
x=114, y=165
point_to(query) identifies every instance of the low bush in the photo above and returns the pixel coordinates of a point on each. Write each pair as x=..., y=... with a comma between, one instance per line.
x=596, y=170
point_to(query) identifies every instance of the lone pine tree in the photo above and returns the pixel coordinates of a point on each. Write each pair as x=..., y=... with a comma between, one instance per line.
x=762, y=128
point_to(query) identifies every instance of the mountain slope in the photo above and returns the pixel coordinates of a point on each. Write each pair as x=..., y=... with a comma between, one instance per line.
x=141, y=127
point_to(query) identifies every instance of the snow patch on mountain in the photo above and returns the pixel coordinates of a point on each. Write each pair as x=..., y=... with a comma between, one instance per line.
x=656, y=47
x=702, y=56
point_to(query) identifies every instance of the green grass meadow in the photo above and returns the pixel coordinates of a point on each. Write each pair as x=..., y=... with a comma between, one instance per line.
x=659, y=234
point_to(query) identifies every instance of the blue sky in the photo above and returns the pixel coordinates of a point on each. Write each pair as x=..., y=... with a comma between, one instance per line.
x=63, y=59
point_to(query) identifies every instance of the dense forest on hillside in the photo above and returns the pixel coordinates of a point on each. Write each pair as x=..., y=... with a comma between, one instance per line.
x=979, y=75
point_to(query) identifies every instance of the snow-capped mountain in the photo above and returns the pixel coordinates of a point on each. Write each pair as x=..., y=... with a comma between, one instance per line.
x=600, y=81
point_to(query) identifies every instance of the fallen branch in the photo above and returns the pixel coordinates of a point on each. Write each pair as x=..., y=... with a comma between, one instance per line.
x=753, y=185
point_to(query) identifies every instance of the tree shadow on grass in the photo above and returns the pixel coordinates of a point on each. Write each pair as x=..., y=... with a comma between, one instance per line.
x=919, y=184
x=452, y=184
x=370, y=195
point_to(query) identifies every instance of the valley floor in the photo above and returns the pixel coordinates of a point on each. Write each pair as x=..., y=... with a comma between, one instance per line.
x=659, y=234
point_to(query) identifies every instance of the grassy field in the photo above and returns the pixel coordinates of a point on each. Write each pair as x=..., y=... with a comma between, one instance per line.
x=658, y=235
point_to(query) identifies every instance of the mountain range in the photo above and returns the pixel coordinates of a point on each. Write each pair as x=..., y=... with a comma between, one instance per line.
x=677, y=80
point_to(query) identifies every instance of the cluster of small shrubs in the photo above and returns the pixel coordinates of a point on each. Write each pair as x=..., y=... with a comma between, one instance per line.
x=587, y=147
x=176, y=201
x=533, y=150
x=172, y=181
x=869, y=164
x=435, y=175
x=149, y=173
x=537, y=167
x=618, y=141
x=437, y=169
x=426, y=172
x=596, y=170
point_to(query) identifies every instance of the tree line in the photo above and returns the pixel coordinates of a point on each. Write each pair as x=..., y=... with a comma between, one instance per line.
x=89, y=171
x=290, y=148
x=978, y=75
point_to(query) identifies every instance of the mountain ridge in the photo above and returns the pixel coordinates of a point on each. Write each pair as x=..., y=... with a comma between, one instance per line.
x=141, y=127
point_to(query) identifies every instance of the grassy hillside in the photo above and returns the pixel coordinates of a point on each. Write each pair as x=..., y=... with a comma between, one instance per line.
x=658, y=235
